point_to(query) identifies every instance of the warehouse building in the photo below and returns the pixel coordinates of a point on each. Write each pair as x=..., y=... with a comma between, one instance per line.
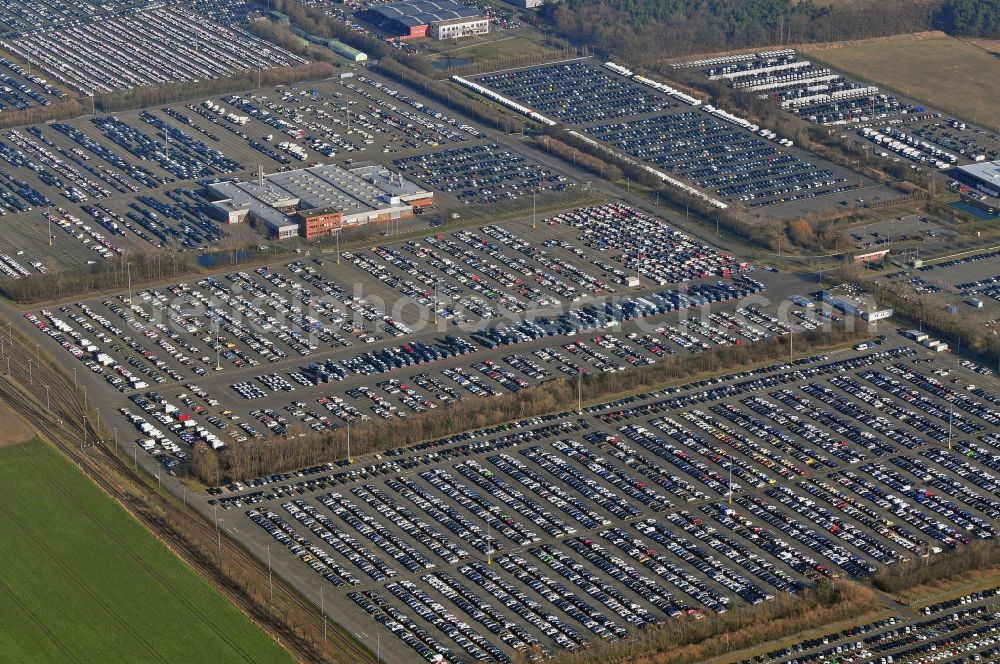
x=854, y=302
x=526, y=4
x=440, y=19
x=983, y=176
x=349, y=52
x=337, y=46
x=312, y=202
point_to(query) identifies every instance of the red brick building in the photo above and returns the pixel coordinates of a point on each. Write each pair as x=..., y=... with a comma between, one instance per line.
x=319, y=221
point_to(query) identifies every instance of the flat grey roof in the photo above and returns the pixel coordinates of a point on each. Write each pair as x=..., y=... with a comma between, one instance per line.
x=988, y=170
x=355, y=192
x=424, y=12
x=389, y=182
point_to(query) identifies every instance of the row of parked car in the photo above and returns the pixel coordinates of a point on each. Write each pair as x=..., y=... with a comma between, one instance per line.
x=482, y=173
x=575, y=92
x=537, y=487
x=176, y=45
x=715, y=156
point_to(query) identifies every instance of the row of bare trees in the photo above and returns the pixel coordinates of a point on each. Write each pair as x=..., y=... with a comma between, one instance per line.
x=299, y=448
x=584, y=160
x=977, y=556
x=647, y=31
x=687, y=641
x=147, y=95
x=115, y=274
x=57, y=110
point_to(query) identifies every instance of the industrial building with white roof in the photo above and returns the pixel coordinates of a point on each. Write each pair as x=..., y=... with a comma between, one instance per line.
x=313, y=201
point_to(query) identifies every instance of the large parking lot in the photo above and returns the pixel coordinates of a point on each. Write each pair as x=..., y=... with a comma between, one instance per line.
x=720, y=158
x=719, y=153
x=561, y=530
x=894, y=128
x=340, y=335
x=576, y=528
x=558, y=531
x=177, y=45
x=482, y=173
x=576, y=92
x=803, y=87
x=963, y=628
x=132, y=182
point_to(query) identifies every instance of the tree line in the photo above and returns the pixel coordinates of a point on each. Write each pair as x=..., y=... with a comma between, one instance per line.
x=115, y=274
x=920, y=571
x=147, y=95
x=57, y=110
x=299, y=448
x=645, y=31
x=584, y=160
x=975, y=18
x=474, y=107
x=932, y=318
x=687, y=641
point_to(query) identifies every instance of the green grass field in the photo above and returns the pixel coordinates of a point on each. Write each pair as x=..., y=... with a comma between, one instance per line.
x=490, y=47
x=82, y=581
x=942, y=71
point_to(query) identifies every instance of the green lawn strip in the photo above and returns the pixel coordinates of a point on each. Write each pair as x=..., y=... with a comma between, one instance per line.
x=92, y=573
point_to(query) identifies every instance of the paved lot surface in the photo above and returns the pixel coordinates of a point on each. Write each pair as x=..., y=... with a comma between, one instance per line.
x=730, y=161
x=221, y=345
x=807, y=456
x=836, y=468
x=103, y=197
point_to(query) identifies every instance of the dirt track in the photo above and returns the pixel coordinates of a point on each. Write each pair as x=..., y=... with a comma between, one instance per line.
x=13, y=429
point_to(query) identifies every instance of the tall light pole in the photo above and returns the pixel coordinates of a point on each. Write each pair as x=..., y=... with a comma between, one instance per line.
x=534, y=220
x=951, y=414
x=579, y=391
x=349, y=459
x=730, y=459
